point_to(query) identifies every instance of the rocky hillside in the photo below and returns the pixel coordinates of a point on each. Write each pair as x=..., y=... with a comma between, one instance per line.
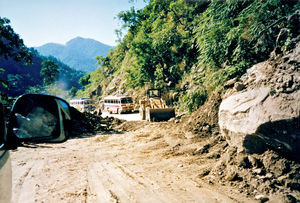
x=78, y=53
x=266, y=103
x=191, y=48
x=253, y=130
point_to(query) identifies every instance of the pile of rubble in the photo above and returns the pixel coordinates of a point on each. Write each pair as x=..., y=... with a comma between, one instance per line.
x=253, y=131
x=85, y=122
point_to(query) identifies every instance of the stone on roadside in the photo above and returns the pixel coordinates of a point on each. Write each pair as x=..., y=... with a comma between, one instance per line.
x=261, y=198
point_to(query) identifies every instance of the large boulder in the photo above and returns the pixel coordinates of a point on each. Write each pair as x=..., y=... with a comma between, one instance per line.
x=265, y=115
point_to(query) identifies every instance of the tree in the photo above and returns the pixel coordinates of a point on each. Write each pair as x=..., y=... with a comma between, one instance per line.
x=11, y=45
x=4, y=83
x=84, y=80
x=49, y=71
x=73, y=91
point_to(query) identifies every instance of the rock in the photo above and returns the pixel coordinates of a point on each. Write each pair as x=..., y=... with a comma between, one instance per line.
x=232, y=174
x=261, y=198
x=243, y=161
x=293, y=184
x=276, y=165
x=258, y=171
x=172, y=119
x=252, y=119
x=215, y=133
x=282, y=178
x=230, y=83
x=239, y=86
x=289, y=90
x=254, y=161
x=202, y=150
x=289, y=198
x=206, y=128
x=269, y=175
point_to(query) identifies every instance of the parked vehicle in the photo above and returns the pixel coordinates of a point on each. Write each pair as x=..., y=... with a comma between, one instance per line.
x=118, y=104
x=83, y=104
x=154, y=108
x=34, y=118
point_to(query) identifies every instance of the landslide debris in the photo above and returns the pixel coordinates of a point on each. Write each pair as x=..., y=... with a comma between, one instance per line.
x=266, y=177
x=269, y=176
x=83, y=123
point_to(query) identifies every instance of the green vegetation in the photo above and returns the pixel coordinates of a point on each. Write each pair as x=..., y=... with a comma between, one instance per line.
x=23, y=70
x=49, y=71
x=234, y=35
x=11, y=44
x=200, y=43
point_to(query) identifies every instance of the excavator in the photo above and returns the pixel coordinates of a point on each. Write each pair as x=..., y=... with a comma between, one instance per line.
x=154, y=108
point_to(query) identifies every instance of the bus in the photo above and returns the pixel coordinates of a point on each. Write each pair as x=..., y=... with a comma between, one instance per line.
x=83, y=104
x=118, y=104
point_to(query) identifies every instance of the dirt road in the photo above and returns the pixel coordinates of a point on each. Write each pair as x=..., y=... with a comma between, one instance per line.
x=140, y=162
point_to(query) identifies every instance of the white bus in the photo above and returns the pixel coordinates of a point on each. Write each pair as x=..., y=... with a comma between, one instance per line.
x=118, y=104
x=82, y=104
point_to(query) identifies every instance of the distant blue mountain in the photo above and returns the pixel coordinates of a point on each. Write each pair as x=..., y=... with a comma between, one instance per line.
x=78, y=53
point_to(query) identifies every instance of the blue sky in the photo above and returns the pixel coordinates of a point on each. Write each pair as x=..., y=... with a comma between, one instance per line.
x=42, y=21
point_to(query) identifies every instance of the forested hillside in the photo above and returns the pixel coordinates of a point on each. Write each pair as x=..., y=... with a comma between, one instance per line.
x=191, y=48
x=78, y=53
x=23, y=70
x=25, y=78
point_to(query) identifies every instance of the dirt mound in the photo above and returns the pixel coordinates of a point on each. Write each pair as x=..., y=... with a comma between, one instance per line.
x=91, y=123
x=204, y=121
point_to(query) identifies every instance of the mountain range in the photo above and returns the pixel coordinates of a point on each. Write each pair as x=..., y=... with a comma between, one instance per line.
x=78, y=53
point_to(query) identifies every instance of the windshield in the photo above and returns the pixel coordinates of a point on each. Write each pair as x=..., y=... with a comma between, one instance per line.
x=126, y=100
x=154, y=93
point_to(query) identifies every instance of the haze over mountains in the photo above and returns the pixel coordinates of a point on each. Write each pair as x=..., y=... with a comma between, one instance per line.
x=79, y=53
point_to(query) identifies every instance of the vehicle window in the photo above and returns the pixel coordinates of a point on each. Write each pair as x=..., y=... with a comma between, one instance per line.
x=126, y=100
x=129, y=100
x=154, y=93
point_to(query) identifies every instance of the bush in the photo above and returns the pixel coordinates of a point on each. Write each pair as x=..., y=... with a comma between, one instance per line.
x=193, y=100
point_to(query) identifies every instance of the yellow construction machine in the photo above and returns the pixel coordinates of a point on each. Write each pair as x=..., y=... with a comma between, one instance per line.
x=154, y=108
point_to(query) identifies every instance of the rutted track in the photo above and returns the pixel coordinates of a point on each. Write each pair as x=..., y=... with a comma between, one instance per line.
x=135, y=166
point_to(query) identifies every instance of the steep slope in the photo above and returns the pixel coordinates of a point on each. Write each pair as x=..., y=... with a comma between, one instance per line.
x=78, y=53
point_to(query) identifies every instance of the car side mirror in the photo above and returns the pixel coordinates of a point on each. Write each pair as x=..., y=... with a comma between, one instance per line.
x=39, y=118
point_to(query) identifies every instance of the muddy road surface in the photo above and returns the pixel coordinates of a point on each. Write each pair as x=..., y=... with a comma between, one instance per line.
x=138, y=162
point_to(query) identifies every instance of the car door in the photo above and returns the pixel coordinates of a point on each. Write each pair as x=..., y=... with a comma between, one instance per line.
x=5, y=165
